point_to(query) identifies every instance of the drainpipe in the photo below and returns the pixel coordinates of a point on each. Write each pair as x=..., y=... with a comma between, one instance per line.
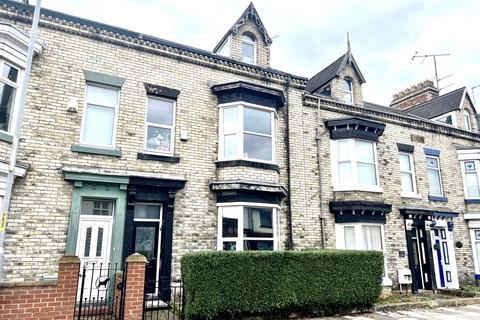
x=16, y=134
x=318, y=138
x=287, y=143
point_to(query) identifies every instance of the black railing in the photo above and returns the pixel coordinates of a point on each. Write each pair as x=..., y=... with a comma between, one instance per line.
x=100, y=293
x=163, y=300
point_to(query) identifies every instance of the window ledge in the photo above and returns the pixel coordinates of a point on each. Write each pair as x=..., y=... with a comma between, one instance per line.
x=96, y=150
x=358, y=188
x=437, y=198
x=157, y=157
x=6, y=137
x=472, y=200
x=411, y=195
x=246, y=163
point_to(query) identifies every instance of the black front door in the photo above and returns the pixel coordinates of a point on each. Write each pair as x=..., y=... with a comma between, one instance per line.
x=419, y=258
x=146, y=243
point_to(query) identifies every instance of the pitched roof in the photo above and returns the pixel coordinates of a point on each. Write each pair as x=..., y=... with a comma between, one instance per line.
x=436, y=107
x=249, y=12
x=332, y=71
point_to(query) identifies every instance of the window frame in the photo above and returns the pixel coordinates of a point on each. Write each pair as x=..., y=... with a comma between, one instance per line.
x=467, y=123
x=254, y=43
x=172, y=127
x=464, y=177
x=411, y=159
x=239, y=206
x=240, y=131
x=354, y=185
x=439, y=175
x=115, y=117
x=349, y=92
x=18, y=85
x=474, y=241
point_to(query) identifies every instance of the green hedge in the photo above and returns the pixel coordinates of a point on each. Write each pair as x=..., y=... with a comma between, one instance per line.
x=225, y=284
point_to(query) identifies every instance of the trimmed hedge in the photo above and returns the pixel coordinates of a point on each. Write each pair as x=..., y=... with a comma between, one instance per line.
x=220, y=285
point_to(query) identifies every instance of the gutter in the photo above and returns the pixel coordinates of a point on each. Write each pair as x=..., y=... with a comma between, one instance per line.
x=320, y=178
x=289, y=178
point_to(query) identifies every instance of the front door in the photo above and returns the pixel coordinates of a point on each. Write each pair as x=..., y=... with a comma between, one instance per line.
x=146, y=241
x=93, y=249
x=445, y=265
x=420, y=266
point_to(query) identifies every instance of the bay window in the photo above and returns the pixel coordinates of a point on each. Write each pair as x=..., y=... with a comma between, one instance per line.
x=9, y=81
x=100, y=115
x=159, y=125
x=471, y=179
x=247, y=132
x=247, y=227
x=354, y=164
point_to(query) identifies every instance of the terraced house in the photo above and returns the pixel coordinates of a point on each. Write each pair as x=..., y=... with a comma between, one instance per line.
x=132, y=143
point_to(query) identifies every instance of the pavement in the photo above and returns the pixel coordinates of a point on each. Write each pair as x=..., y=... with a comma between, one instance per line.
x=470, y=312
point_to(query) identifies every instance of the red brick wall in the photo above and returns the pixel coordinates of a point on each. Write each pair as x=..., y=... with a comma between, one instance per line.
x=40, y=301
x=134, y=286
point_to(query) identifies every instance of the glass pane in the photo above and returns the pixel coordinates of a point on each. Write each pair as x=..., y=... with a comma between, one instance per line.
x=229, y=223
x=349, y=237
x=344, y=152
x=366, y=174
x=477, y=246
x=344, y=173
x=102, y=96
x=248, y=52
x=257, y=147
x=472, y=184
x=432, y=162
x=99, y=242
x=88, y=242
x=348, y=97
x=230, y=120
x=364, y=151
x=229, y=246
x=258, y=245
x=407, y=182
x=405, y=162
x=257, y=121
x=160, y=111
x=97, y=207
x=477, y=235
x=347, y=85
x=159, y=139
x=10, y=72
x=372, y=237
x=230, y=145
x=469, y=165
x=7, y=94
x=247, y=37
x=146, y=211
x=98, y=127
x=257, y=222
x=145, y=241
x=434, y=182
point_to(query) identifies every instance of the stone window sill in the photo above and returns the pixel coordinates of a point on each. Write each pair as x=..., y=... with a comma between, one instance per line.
x=246, y=163
x=6, y=137
x=472, y=200
x=158, y=157
x=95, y=150
x=375, y=189
x=438, y=198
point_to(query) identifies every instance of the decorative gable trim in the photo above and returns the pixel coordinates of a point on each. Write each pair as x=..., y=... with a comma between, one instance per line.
x=354, y=128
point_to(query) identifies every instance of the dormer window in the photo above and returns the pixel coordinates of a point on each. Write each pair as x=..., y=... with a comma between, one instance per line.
x=248, y=48
x=466, y=121
x=347, y=91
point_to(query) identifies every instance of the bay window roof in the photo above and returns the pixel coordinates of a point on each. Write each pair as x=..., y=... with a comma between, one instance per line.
x=249, y=92
x=354, y=127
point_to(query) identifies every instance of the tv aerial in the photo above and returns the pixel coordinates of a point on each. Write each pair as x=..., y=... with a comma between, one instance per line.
x=434, y=56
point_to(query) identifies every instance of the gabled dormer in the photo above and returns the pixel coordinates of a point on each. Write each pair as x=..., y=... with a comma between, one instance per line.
x=247, y=40
x=342, y=80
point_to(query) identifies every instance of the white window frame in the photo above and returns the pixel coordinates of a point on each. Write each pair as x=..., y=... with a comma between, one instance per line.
x=340, y=241
x=439, y=175
x=115, y=117
x=354, y=181
x=254, y=43
x=349, y=92
x=152, y=124
x=474, y=225
x=17, y=86
x=476, y=171
x=467, y=123
x=239, y=206
x=413, y=194
x=240, y=131
x=452, y=114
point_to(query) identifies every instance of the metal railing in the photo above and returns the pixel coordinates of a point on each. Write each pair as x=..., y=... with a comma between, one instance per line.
x=163, y=300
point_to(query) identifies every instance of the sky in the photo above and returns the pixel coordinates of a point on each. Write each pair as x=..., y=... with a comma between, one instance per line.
x=308, y=35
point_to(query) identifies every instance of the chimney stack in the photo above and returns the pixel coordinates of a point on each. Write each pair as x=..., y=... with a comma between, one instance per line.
x=415, y=95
